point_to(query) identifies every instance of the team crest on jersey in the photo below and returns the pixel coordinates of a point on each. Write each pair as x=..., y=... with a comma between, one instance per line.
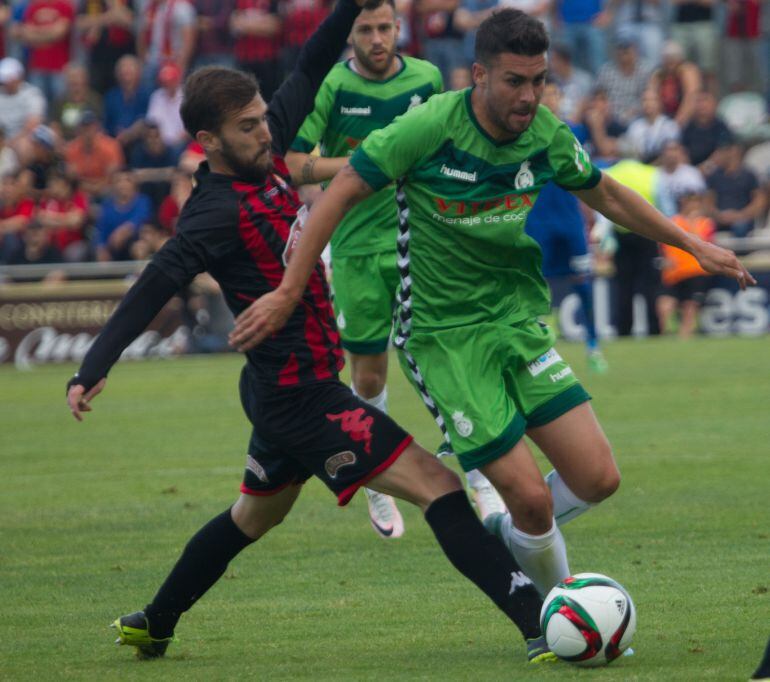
x=341, y=320
x=336, y=462
x=525, y=177
x=463, y=425
x=256, y=468
x=415, y=101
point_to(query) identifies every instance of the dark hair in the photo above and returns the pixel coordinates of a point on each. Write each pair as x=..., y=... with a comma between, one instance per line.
x=510, y=30
x=375, y=4
x=213, y=92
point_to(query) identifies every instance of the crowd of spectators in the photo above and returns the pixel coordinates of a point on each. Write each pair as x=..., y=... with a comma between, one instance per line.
x=95, y=163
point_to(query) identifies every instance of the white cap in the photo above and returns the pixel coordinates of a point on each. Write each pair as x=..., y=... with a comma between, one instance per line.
x=10, y=70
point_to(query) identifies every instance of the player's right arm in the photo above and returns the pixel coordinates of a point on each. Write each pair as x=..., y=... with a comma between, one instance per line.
x=204, y=234
x=310, y=169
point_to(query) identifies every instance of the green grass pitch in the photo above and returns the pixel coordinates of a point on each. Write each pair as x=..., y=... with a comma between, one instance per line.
x=93, y=515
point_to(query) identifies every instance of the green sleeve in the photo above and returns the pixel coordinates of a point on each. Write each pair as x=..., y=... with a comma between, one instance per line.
x=314, y=126
x=389, y=153
x=571, y=164
x=438, y=82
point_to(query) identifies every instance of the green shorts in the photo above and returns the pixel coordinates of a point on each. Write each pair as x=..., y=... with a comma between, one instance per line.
x=364, y=298
x=486, y=384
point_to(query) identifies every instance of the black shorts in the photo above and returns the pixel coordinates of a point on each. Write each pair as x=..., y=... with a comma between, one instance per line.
x=319, y=429
x=690, y=289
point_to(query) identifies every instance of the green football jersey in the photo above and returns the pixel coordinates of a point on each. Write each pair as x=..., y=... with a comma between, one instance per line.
x=348, y=107
x=463, y=252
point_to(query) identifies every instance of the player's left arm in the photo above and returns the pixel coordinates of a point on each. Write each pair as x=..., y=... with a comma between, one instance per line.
x=295, y=98
x=269, y=313
x=625, y=207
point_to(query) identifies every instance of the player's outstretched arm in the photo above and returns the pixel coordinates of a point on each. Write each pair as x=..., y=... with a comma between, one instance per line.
x=309, y=169
x=269, y=313
x=625, y=207
x=139, y=306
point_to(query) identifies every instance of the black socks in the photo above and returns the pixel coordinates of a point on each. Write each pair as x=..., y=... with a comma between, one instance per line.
x=202, y=563
x=483, y=559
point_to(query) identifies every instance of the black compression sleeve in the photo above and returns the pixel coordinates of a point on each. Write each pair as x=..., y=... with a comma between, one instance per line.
x=139, y=306
x=295, y=98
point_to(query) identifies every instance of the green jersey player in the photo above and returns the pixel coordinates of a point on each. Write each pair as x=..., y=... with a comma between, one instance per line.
x=472, y=164
x=360, y=95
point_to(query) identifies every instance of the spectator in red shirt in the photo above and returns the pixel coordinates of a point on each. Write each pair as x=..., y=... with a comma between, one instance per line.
x=47, y=30
x=107, y=33
x=63, y=211
x=16, y=210
x=300, y=18
x=744, y=66
x=257, y=30
x=168, y=213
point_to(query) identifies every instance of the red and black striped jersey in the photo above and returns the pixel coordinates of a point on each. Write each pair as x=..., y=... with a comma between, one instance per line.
x=240, y=232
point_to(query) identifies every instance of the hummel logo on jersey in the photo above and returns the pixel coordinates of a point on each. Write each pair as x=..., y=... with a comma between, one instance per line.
x=518, y=579
x=560, y=374
x=358, y=427
x=356, y=111
x=458, y=174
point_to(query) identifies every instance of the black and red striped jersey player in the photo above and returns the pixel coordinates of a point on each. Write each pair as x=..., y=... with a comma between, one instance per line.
x=238, y=225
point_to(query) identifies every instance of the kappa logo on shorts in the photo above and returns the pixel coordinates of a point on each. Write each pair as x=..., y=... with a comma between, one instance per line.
x=256, y=468
x=336, y=462
x=463, y=425
x=543, y=362
x=358, y=427
x=518, y=579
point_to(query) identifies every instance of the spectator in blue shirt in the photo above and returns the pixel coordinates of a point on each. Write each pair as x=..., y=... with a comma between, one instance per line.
x=124, y=211
x=125, y=105
x=581, y=25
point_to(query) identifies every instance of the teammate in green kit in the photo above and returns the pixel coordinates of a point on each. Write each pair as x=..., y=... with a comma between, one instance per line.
x=472, y=164
x=361, y=95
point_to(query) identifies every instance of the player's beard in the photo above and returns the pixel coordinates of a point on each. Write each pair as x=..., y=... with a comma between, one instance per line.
x=254, y=170
x=500, y=117
x=372, y=66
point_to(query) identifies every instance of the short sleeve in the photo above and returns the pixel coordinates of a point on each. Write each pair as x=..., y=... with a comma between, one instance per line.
x=389, y=153
x=314, y=126
x=570, y=163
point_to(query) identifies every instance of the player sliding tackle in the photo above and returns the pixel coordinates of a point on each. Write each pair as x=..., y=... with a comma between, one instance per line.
x=237, y=225
x=472, y=164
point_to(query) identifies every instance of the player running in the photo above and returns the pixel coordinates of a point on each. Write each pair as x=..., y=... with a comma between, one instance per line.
x=237, y=226
x=472, y=164
x=358, y=96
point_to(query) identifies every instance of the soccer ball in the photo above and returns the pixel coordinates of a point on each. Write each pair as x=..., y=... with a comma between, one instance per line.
x=588, y=619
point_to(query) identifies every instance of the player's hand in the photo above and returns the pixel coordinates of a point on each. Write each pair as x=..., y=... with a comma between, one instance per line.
x=78, y=398
x=718, y=261
x=267, y=315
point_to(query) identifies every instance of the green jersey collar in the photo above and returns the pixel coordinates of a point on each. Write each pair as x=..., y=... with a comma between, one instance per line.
x=480, y=128
x=349, y=66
